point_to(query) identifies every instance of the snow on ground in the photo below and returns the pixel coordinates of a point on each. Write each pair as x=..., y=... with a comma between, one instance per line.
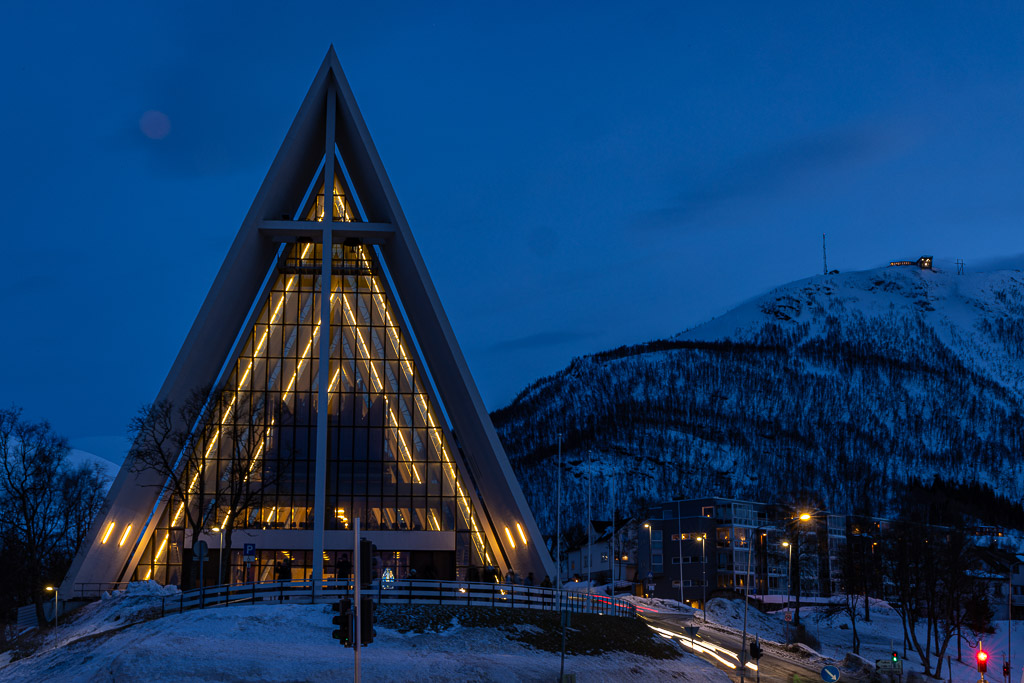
x=730, y=613
x=877, y=637
x=884, y=632
x=139, y=601
x=293, y=642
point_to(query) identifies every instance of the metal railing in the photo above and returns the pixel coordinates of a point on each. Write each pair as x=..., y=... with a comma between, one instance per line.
x=416, y=592
x=95, y=589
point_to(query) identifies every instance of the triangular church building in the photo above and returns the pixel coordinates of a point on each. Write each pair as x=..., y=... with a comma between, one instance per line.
x=334, y=382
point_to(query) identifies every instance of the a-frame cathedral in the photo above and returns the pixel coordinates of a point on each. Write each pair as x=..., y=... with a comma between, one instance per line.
x=338, y=391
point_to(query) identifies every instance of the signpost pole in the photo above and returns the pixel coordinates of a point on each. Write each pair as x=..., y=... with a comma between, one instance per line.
x=355, y=605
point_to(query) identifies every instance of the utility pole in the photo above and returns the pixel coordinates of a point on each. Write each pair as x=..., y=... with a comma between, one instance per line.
x=679, y=538
x=558, y=541
x=612, y=567
x=746, y=601
x=590, y=549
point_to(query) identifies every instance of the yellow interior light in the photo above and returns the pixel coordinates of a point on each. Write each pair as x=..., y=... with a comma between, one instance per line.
x=521, y=534
x=124, y=536
x=511, y=541
x=106, y=534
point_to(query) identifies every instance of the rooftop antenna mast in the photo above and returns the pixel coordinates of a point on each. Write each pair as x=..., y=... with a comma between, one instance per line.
x=824, y=255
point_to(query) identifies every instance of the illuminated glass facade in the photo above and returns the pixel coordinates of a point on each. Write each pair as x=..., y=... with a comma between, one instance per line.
x=286, y=454
x=390, y=461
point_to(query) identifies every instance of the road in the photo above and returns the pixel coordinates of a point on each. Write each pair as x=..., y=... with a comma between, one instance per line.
x=722, y=648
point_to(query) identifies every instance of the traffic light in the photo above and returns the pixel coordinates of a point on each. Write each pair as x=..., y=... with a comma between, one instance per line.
x=982, y=661
x=366, y=552
x=755, y=650
x=344, y=620
x=895, y=657
x=366, y=621
x=1006, y=669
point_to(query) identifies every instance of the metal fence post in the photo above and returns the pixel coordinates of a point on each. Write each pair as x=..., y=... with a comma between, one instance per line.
x=254, y=592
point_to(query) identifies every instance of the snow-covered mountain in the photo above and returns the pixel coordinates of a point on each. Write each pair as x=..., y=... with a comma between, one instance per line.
x=855, y=389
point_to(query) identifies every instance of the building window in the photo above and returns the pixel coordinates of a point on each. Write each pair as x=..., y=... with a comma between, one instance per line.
x=708, y=511
x=656, y=560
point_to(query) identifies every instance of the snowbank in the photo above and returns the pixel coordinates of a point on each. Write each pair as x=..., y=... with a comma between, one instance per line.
x=293, y=642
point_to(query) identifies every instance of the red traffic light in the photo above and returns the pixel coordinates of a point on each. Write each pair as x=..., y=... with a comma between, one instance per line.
x=982, y=656
x=982, y=661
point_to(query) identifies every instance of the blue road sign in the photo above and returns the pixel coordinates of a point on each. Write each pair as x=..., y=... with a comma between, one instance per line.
x=249, y=553
x=830, y=674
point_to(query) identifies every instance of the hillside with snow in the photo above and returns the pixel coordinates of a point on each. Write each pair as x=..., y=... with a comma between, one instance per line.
x=854, y=390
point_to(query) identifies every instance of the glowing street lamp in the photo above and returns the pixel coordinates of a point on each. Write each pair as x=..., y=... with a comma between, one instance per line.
x=650, y=551
x=805, y=516
x=56, y=614
x=789, y=572
x=704, y=574
x=220, y=553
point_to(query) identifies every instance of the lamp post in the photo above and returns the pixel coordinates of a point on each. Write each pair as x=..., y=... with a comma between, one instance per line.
x=789, y=568
x=789, y=583
x=650, y=554
x=56, y=613
x=704, y=579
x=220, y=555
x=679, y=537
x=802, y=517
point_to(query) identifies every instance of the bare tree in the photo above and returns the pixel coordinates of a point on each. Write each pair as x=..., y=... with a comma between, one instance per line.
x=45, y=505
x=83, y=490
x=173, y=441
x=848, y=603
x=245, y=476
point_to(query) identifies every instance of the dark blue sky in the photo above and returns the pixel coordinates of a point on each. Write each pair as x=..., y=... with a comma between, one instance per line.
x=577, y=178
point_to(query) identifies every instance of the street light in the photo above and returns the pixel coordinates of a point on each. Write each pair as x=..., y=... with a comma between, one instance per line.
x=789, y=570
x=803, y=517
x=704, y=571
x=650, y=553
x=220, y=555
x=56, y=614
